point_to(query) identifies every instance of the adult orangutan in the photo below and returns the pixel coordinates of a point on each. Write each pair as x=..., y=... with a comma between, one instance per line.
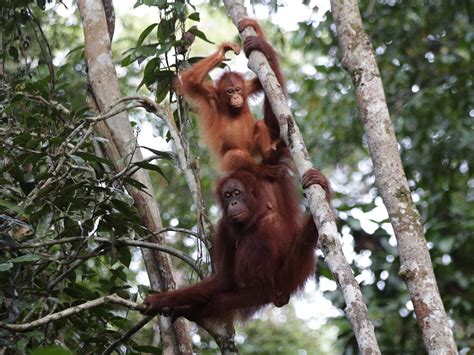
x=229, y=130
x=263, y=251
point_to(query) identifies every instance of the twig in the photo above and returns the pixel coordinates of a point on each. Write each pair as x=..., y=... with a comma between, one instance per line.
x=75, y=239
x=78, y=262
x=128, y=334
x=47, y=243
x=164, y=248
x=41, y=99
x=73, y=310
x=47, y=53
x=190, y=175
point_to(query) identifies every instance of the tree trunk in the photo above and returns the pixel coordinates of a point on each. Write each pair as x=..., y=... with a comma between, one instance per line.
x=122, y=150
x=356, y=309
x=416, y=268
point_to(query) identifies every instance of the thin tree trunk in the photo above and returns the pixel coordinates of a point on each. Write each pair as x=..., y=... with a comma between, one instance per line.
x=122, y=150
x=416, y=267
x=356, y=309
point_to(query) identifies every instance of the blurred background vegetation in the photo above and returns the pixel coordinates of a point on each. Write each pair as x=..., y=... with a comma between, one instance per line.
x=424, y=51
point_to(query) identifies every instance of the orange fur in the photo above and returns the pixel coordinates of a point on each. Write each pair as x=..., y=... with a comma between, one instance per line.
x=234, y=138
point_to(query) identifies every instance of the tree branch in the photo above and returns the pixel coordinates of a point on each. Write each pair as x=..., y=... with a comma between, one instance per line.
x=118, y=243
x=73, y=310
x=128, y=334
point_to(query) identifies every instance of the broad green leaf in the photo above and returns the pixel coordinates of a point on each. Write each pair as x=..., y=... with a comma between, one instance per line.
x=145, y=33
x=93, y=158
x=199, y=34
x=161, y=154
x=5, y=266
x=25, y=259
x=194, y=16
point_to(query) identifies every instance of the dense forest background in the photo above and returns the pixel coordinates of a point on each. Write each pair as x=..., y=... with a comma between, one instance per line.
x=424, y=52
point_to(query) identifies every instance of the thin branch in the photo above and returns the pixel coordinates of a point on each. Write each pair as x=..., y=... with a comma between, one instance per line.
x=75, y=239
x=164, y=248
x=114, y=299
x=41, y=99
x=117, y=243
x=47, y=53
x=190, y=175
x=47, y=243
x=78, y=262
x=128, y=334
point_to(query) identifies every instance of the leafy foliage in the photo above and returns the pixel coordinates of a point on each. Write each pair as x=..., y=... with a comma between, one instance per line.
x=58, y=194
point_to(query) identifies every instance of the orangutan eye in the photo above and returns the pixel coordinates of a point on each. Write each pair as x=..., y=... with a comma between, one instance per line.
x=236, y=192
x=227, y=195
x=230, y=91
x=238, y=89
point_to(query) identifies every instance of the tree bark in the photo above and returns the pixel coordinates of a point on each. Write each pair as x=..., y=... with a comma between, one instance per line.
x=323, y=215
x=416, y=267
x=122, y=150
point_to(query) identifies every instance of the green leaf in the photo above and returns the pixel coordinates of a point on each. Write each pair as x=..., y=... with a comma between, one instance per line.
x=78, y=291
x=160, y=154
x=121, y=323
x=13, y=52
x=125, y=256
x=129, y=59
x=5, y=266
x=145, y=34
x=126, y=209
x=199, y=34
x=135, y=183
x=151, y=72
x=13, y=207
x=25, y=259
x=148, y=349
x=166, y=30
x=148, y=166
x=195, y=16
x=80, y=47
x=92, y=158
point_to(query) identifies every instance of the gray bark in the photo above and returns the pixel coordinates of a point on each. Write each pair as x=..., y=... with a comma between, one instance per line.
x=323, y=215
x=416, y=267
x=122, y=150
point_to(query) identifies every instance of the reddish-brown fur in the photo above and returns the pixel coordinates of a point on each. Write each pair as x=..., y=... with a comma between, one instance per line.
x=232, y=135
x=264, y=257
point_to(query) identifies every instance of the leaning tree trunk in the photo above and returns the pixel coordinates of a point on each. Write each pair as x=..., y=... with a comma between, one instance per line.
x=122, y=150
x=416, y=268
x=324, y=218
